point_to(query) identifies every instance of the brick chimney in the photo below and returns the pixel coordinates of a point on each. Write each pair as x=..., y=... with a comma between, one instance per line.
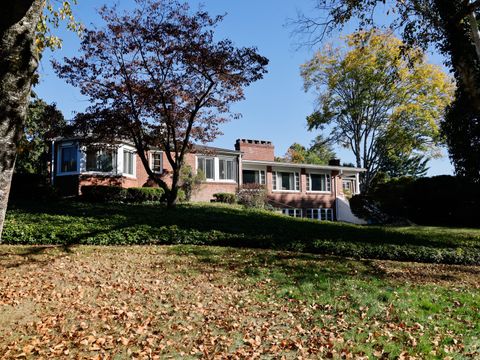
x=255, y=149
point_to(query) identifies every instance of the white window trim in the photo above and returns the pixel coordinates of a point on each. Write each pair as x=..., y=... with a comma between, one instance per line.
x=310, y=182
x=120, y=163
x=83, y=165
x=216, y=170
x=274, y=173
x=151, y=161
x=59, y=158
x=258, y=169
x=285, y=211
x=329, y=210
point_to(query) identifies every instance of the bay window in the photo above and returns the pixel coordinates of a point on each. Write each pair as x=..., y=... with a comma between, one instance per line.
x=68, y=159
x=318, y=182
x=128, y=162
x=286, y=181
x=100, y=160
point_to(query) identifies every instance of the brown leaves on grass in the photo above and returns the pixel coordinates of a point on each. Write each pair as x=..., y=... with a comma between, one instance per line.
x=150, y=303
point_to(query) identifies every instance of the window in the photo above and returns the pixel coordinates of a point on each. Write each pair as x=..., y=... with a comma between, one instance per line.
x=128, y=162
x=207, y=166
x=286, y=181
x=101, y=160
x=226, y=169
x=292, y=212
x=320, y=214
x=318, y=182
x=68, y=159
x=253, y=177
x=156, y=162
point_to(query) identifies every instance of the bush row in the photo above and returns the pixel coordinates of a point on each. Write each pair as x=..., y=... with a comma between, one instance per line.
x=104, y=194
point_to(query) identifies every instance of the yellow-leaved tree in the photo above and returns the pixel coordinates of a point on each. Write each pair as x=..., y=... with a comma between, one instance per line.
x=378, y=98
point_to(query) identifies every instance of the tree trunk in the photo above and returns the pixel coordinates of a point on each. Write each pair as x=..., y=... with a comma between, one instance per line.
x=173, y=193
x=18, y=63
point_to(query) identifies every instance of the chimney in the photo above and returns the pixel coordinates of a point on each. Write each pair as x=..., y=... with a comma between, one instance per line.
x=334, y=162
x=256, y=149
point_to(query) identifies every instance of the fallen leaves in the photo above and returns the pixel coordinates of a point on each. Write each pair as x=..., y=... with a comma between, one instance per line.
x=148, y=303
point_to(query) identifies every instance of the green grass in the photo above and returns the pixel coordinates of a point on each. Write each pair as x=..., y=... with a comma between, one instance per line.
x=191, y=302
x=69, y=222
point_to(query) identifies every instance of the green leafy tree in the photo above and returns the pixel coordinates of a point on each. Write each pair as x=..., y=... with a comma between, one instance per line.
x=44, y=122
x=374, y=101
x=398, y=165
x=451, y=27
x=319, y=152
x=24, y=32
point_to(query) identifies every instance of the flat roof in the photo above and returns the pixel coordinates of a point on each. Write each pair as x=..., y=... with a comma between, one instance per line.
x=306, y=166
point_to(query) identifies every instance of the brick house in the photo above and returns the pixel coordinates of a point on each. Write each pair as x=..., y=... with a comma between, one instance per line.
x=300, y=190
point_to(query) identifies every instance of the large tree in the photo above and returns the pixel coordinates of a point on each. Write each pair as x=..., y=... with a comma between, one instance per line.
x=374, y=102
x=157, y=76
x=319, y=152
x=24, y=32
x=451, y=26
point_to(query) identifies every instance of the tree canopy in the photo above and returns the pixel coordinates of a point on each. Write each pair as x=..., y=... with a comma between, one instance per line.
x=158, y=77
x=319, y=152
x=375, y=101
x=450, y=26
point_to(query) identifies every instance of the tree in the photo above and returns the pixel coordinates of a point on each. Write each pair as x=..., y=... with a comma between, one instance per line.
x=157, y=77
x=44, y=122
x=398, y=165
x=23, y=34
x=376, y=102
x=449, y=25
x=319, y=152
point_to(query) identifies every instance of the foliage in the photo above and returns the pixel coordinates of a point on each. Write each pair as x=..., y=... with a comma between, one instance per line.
x=439, y=200
x=157, y=75
x=228, y=225
x=319, y=152
x=227, y=198
x=190, y=181
x=449, y=26
x=252, y=196
x=398, y=165
x=106, y=194
x=376, y=102
x=44, y=122
x=334, y=307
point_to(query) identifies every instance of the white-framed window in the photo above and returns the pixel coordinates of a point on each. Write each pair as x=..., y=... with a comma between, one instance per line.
x=101, y=160
x=292, y=212
x=319, y=182
x=128, y=162
x=286, y=181
x=253, y=176
x=156, y=162
x=321, y=214
x=68, y=159
x=207, y=166
x=226, y=169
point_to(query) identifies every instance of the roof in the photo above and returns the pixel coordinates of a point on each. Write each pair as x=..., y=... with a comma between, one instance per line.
x=213, y=149
x=306, y=166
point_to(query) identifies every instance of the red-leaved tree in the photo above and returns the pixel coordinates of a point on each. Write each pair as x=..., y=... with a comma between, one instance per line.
x=158, y=77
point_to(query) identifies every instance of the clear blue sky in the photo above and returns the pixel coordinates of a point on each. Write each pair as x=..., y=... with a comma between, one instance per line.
x=275, y=107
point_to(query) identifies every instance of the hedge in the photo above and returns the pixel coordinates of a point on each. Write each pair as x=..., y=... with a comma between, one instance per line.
x=106, y=194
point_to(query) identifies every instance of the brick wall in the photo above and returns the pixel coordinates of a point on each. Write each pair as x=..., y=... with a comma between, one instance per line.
x=256, y=149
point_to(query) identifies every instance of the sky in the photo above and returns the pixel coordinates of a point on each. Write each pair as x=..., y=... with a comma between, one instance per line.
x=275, y=108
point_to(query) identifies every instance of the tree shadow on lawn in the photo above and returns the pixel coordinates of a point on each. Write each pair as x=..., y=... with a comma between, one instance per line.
x=246, y=227
x=32, y=254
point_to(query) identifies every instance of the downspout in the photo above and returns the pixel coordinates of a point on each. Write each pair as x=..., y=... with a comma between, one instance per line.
x=52, y=165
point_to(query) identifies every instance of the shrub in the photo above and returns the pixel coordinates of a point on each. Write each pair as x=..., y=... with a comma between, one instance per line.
x=142, y=194
x=227, y=198
x=252, y=196
x=103, y=193
x=189, y=182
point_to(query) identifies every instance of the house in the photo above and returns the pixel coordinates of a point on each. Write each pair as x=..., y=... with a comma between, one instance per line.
x=300, y=190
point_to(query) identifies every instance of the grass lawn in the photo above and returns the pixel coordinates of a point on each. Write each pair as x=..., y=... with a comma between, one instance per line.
x=184, y=301
x=70, y=222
